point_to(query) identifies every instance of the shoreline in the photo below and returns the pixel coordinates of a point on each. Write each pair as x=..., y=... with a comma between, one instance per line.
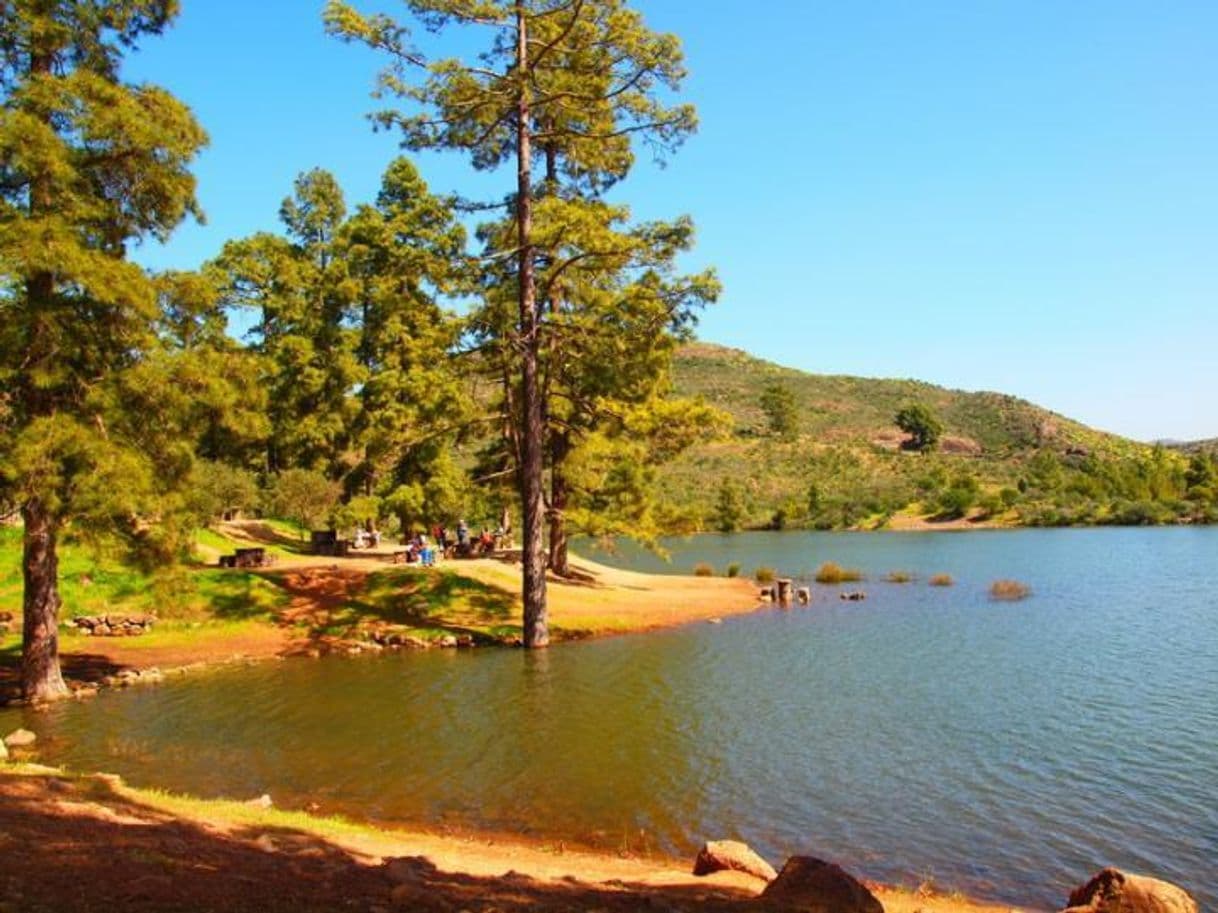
x=163, y=839
x=318, y=594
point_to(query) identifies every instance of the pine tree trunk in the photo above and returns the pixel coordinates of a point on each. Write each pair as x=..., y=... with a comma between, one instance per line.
x=560, y=442
x=536, y=628
x=41, y=679
x=559, y=497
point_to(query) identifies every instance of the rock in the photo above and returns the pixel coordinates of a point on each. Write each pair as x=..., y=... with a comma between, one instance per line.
x=812, y=886
x=3, y=751
x=447, y=641
x=1114, y=891
x=718, y=855
x=20, y=738
x=465, y=640
x=263, y=801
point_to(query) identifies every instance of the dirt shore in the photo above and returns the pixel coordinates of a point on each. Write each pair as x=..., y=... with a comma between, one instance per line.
x=90, y=843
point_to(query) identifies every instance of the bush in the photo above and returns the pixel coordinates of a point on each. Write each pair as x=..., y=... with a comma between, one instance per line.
x=941, y=580
x=830, y=572
x=899, y=577
x=702, y=569
x=1009, y=590
x=765, y=575
x=733, y=569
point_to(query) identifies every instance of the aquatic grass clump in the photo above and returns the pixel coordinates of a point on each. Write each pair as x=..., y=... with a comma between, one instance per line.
x=765, y=575
x=1009, y=590
x=702, y=569
x=831, y=572
x=900, y=577
x=942, y=580
x=733, y=569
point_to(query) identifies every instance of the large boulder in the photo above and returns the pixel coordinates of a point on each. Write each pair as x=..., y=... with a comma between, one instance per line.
x=812, y=886
x=1114, y=891
x=732, y=855
x=20, y=738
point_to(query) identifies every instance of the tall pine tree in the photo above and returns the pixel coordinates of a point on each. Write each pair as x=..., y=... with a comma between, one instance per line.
x=577, y=75
x=89, y=165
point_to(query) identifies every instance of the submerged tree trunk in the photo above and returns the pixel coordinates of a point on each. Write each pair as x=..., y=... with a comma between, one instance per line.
x=533, y=559
x=41, y=679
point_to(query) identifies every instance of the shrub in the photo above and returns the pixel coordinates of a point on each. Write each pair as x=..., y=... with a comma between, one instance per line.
x=899, y=577
x=1009, y=590
x=941, y=580
x=830, y=572
x=702, y=569
x=733, y=569
x=764, y=575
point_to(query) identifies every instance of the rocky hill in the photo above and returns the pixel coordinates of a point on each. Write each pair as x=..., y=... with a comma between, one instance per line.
x=845, y=462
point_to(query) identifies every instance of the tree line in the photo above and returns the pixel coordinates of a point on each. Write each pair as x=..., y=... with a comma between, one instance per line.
x=397, y=359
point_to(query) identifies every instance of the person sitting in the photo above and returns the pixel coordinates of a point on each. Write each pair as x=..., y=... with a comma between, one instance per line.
x=486, y=542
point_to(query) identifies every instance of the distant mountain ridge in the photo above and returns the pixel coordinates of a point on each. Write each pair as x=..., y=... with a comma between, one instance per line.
x=1005, y=450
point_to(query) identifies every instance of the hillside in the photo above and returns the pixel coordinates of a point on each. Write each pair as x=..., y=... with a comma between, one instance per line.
x=1000, y=460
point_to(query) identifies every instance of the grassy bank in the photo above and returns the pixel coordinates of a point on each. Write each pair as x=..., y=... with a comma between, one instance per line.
x=308, y=605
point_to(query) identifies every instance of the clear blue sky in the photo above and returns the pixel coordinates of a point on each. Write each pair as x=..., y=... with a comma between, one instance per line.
x=1018, y=196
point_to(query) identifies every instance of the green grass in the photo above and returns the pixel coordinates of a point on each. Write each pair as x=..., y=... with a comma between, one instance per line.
x=93, y=583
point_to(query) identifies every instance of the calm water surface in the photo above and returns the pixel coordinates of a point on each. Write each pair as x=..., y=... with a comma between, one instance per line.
x=1005, y=749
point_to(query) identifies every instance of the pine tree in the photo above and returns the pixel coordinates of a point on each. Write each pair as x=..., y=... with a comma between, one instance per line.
x=88, y=166
x=570, y=79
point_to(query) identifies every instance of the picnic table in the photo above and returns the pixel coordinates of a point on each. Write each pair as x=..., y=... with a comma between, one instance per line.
x=248, y=557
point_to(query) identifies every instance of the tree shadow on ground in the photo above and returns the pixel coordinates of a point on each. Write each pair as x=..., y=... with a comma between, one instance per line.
x=81, y=845
x=330, y=603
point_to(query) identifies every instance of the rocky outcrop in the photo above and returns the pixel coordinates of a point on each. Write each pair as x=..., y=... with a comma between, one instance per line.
x=114, y=625
x=811, y=886
x=1114, y=891
x=732, y=855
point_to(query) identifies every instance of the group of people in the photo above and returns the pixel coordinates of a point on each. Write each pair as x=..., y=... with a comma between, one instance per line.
x=465, y=545
x=427, y=550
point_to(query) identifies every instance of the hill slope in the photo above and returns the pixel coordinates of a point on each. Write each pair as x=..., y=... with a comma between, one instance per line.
x=1001, y=459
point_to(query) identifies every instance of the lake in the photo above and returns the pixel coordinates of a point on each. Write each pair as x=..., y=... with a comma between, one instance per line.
x=1006, y=749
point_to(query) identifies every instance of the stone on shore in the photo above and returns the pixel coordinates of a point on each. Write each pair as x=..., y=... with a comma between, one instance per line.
x=1114, y=891
x=20, y=738
x=811, y=886
x=721, y=855
x=263, y=801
